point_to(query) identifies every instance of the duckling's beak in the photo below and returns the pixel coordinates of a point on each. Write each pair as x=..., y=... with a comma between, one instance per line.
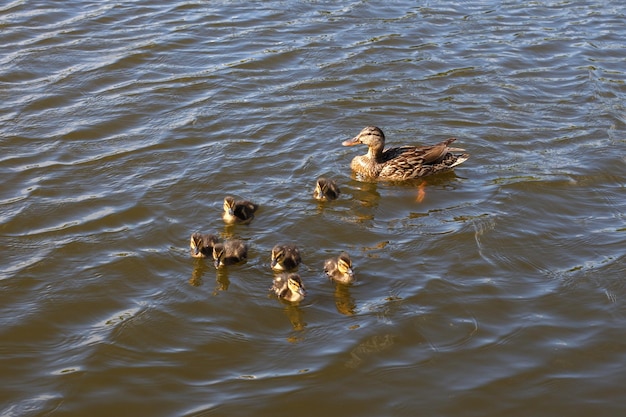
x=231, y=212
x=216, y=263
x=273, y=263
x=351, y=142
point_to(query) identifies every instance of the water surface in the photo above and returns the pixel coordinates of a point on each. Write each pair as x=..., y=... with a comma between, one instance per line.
x=124, y=125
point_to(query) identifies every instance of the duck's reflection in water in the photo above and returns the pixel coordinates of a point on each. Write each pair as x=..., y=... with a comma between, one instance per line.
x=222, y=281
x=295, y=316
x=343, y=300
x=365, y=201
x=200, y=268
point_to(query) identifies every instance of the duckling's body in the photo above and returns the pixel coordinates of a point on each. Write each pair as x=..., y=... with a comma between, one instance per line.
x=201, y=245
x=285, y=258
x=402, y=163
x=326, y=190
x=340, y=269
x=238, y=211
x=289, y=287
x=230, y=252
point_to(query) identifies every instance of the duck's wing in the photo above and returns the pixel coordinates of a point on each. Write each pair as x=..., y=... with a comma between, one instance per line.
x=414, y=162
x=432, y=154
x=392, y=153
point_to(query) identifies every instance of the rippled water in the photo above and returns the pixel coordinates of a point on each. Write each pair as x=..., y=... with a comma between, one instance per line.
x=123, y=126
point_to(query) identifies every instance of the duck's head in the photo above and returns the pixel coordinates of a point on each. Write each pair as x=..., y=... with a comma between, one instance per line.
x=229, y=205
x=370, y=136
x=195, y=245
x=278, y=256
x=218, y=253
x=344, y=265
x=294, y=283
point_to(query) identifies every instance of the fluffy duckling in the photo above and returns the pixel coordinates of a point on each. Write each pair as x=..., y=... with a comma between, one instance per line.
x=404, y=162
x=326, y=190
x=285, y=257
x=201, y=245
x=340, y=269
x=230, y=252
x=238, y=211
x=289, y=287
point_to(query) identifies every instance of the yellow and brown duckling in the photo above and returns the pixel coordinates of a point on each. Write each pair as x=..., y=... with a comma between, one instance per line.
x=241, y=211
x=402, y=163
x=285, y=257
x=230, y=252
x=326, y=190
x=289, y=287
x=201, y=245
x=340, y=269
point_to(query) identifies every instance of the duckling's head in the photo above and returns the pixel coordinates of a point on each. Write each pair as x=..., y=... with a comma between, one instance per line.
x=371, y=136
x=218, y=254
x=344, y=265
x=294, y=283
x=195, y=245
x=229, y=205
x=278, y=256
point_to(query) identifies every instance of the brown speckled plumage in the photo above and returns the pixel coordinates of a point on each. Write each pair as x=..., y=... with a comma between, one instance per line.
x=402, y=163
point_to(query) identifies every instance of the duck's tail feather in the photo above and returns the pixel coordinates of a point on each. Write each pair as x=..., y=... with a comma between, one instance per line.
x=462, y=158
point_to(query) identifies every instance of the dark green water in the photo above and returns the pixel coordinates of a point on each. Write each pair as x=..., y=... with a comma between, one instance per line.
x=124, y=125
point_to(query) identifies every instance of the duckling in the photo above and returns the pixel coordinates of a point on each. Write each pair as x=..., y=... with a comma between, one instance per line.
x=326, y=190
x=201, y=246
x=340, y=269
x=285, y=257
x=289, y=287
x=230, y=252
x=402, y=163
x=241, y=212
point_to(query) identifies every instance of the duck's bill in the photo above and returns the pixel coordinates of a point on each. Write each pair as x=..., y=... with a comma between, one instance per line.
x=351, y=142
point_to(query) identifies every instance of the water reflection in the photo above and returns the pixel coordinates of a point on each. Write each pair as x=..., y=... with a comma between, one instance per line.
x=295, y=315
x=200, y=268
x=344, y=302
x=228, y=232
x=366, y=197
x=222, y=281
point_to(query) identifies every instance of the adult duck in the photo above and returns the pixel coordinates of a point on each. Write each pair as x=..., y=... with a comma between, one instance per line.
x=401, y=163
